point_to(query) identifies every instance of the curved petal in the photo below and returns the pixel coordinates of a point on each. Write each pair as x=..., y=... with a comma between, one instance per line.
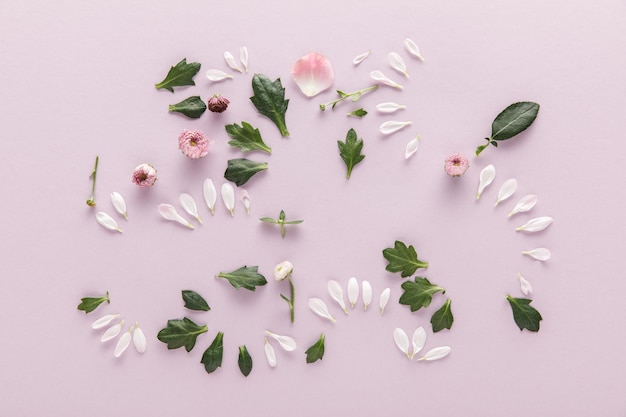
x=217, y=75
x=367, y=294
x=189, y=204
x=286, y=342
x=392, y=126
x=487, y=175
x=243, y=57
x=360, y=58
x=525, y=286
x=381, y=78
x=540, y=254
x=313, y=74
x=397, y=63
x=139, y=339
x=525, y=204
x=436, y=353
x=112, y=331
x=107, y=221
x=412, y=147
x=123, y=343
x=353, y=291
x=228, y=197
x=402, y=340
x=336, y=292
x=419, y=340
x=210, y=194
x=230, y=60
x=270, y=354
x=413, y=49
x=384, y=299
x=389, y=107
x=536, y=225
x=104, y=321
x=119, y=203
x=168, y=212
x=320, y=308
x=507, y=190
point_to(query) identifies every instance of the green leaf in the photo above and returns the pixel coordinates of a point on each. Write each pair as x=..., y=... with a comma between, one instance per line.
x=525, y=316
x=350, y=151
x=442, y=319
x=514, y=119
x=269, y=100
x=402, y=259
x=418, y=294
x=316, y=351
x=192, y=107
x=179, y=333
x=241, y=170
x=358, y=113
x=244, y=277
x=246, y=138
x=212, y=356
x=194, y=301
x=89, y=304
x=244, y=361
x=179, y=75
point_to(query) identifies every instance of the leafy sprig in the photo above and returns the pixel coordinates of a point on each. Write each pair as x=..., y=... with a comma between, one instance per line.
x=442, y=318
x=419, y=293
x=179, y=333
x=269, y=100
x=513, y=120
x=316, y=351
x=89, y=304
x=280, y=221
x=403, y=259
x=179, y=75
x=212, y=356
x=246, y=138
x=350, y=151
x=525, y=316
x=354, y=96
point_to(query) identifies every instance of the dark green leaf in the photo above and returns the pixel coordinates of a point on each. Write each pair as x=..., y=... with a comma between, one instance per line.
x=358, y=113
x=244, y=361
x=316, y=351
x=514, y=119
x=241, y=170
x=194, y=301
x=418, y=294
x=89, y=304
x=402, y=259
x=212, y=357
x=244, y=277
x=269, y=100
x=525, y=316
x=246, y=138
x=179, y=75
x=192, y=107
x=179, y=333
x=350, y=151
x=442, y=319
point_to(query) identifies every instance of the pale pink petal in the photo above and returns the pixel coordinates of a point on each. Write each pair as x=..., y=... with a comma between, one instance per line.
x=312, y=74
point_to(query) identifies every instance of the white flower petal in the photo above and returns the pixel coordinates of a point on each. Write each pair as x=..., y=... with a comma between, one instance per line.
x=436, y=353
x=320, y=308
x=525, y=204
x=228, y=197
x=270, y=354
x=336, y=292
x=402, y=341
x=210, y=194
x=107, y=221
x=243, y=57
x=217, y=75
x=139, y=339
x=189, y=204
x=389, y=107
x=168, y=212
x=507, y=190
x=123, y=343
x=536, y=224
x=119, y=203
x=540, y=254
x=397, y=63
x=392, y=126
x=353, y=291
x=419, y=340
x=286, y=342
x=112, y=331
x=525, y=286
x=104, y=321
x=367, y=294
x=245, y=200
x=487, y=175
x=230, y=60
x=412, y=147
x=360, y=58
x=381, y=78
x=384, y=299
x=413, y=49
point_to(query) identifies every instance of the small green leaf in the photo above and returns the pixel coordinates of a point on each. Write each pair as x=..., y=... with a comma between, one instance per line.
x=402, y=259
x=179, y=75
x=212, y=356
x=192, y=107
x=194, y=301
x=89, y=304
x=513, y=120
x=350, y=151
x=358, y=113
x=418, y=294
x=316, y=351
x=244, y=361
x=244, y=277
x=442, y=319
x=269, y=100
x=525, y=316
x=241, y=170
x=246, y=138
x=179, y=333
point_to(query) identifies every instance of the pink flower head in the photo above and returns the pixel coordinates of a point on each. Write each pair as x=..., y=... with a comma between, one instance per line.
x=193, y=143
x=144, y=175
x=217, y=103
x=456, y=165
x=313, y=74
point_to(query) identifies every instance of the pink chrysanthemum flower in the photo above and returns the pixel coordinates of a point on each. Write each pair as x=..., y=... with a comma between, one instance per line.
x=193, y=143
x=456, y=165
x=144, y=175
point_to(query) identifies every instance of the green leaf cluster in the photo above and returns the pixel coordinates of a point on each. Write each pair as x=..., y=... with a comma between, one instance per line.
x=246, y=138
x=511, y=121
x=525, y=316
x=316, y=351
x=350, y=151
x=403, y=259
x=179, y=75
x=212, y=356
x=192, y=107
x=179, y=333
x=244, y=361
x=281, y=221
x=89, y=304
x=269, y=100
x=241, y=170
x=244, y=277
x=194, y=301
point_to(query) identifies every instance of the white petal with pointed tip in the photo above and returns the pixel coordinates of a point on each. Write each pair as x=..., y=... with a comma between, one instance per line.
x=413, y=49
x=384, y=299
x=419, y=340
x=210, y=194
x=402, y=340
x=107, y=221
x=487, y=175
x=189, y=204
x=367, y=294
x=245, y=200
x=353, y=291
x=119, y=203
x=536, y=225
x=230, y=60
x=381, y=78
x=392, y=126
x=243, y=57
x=168, y=212
x=525, y=286
x=412, y=147
x=336, y=292
x=507, y=190
x=123, y=343
x=320, y=308
x=389, y=107
x=228, y=197
x=525, y=204
x=360, y=58
x=436, y=353
x=139, y=339
x=397, y=63
x=104, y=321
x=270, y=354
x=540, y=254
x=112, y=331
x=217, y=75
x=286, y=342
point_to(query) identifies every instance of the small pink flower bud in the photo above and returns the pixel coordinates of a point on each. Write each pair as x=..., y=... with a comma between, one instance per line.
x=217, y=103
x=456, y=165
x=144, y=175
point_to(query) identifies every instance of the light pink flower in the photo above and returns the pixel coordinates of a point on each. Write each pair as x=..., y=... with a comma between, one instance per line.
x=144, y=175
x=456, y=165
x=193, y=143
x=312, y=74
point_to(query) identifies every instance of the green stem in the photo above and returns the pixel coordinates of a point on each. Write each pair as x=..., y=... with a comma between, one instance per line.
x=91, y=202
x=293, y=299
x=483, y=147
x=355, y=94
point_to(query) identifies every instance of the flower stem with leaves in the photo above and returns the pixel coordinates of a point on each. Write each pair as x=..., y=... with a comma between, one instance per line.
x=291, y=299
x=280, y=221
x=92, y=202
x=354, y=96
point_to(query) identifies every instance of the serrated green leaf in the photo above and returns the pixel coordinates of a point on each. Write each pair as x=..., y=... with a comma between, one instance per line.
x=350, y=151
x=443, y=318
x=403, y=259
x=269, y=100
x=194, y=301
x=246, y=138
x=418, y=293
x=244, y=277
x=358, y=113
x=179, y=333
x=241, y=170
x=513, y=120
x=316, y=351
x=525, y=316
x=179, y=75
x=244, y=361
x=89, y=304
x=192, y=107
x=212, y=356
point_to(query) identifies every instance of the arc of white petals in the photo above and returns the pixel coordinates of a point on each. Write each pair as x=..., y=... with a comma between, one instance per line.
x=536, y=225
x=245, y=200
x=402, y=341
x=525, y=204
x=243, y=57
x=436, y=353
x=168, y=212
x=389, y=107
x=123, y=343
x=270, y=354
x=119, y=204
x=419, y=340
x=286, y=342
x=413, y=49
x=397, y=63
x=367, y=294
x=384, y=299
x=392, y=126
x=228, y=197
x=378, y=76
x=210, y=194
x=104, y=321
x=216, y=75
x=320, y=308
x=353, y=291
x=487, y=175
x=525, y=286
x=360, y=57
x=540, y=254
x=112, y=331
x=107, y=221
x=139, y=339
x=336, y=293
x=412, y=147
x=230, y=60
x=189, y=204
x=507, y=190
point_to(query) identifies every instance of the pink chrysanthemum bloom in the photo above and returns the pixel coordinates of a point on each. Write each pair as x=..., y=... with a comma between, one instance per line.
x=144, y=175
x=193, y=143
x=456, y=165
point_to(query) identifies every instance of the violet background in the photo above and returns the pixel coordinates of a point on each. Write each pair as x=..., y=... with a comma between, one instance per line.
x=78, y=81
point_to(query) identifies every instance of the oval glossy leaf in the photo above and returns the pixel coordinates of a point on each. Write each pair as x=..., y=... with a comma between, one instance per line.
x=179, y=333
x=316, y=351
x=240, y=170
x=244, y=277
x=212, y=356
x=514, y=119
x=525, y=316
x=194, y=301
x=192, y=107
x=244, y=361
x=442, y=318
